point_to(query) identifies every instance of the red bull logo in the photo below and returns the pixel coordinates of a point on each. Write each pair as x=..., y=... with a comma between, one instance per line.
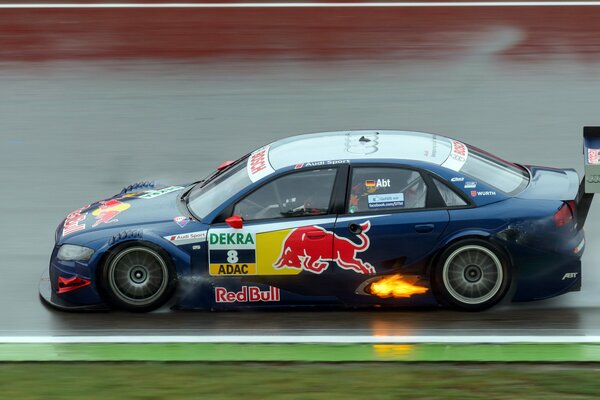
x=108, y=210
x=311, y=248
x=248, y=294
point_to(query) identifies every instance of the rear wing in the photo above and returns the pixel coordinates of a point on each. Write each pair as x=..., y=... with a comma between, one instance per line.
x=590, y=183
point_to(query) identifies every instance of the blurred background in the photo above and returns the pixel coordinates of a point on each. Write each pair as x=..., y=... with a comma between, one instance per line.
x=95, y=99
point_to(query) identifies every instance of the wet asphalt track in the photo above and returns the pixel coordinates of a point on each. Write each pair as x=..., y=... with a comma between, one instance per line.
x=75, y=131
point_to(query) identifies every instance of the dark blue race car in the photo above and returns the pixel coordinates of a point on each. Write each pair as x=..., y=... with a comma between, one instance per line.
x=330, y=219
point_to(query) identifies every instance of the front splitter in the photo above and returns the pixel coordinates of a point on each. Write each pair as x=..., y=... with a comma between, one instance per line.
x=50, y=298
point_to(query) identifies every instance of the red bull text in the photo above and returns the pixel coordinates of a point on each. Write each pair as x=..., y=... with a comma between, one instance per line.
x=248, y=294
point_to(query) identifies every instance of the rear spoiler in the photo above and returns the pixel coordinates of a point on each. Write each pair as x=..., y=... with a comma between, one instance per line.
x=590, y=183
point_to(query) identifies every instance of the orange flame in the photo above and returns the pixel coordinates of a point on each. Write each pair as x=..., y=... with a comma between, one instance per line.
x=397, y=286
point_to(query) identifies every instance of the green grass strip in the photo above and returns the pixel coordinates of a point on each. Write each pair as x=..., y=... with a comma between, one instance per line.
x=301, y=352
x=298, y=381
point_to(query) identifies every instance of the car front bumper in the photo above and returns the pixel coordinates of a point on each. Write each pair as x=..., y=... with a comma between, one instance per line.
x=49, y=297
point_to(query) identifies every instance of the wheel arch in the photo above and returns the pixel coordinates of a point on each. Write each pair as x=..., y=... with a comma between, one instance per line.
x=471, y=234
x=177, y=262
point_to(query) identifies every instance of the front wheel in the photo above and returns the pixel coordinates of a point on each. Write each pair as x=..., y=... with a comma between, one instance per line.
x=471, y=275
x=137, y=278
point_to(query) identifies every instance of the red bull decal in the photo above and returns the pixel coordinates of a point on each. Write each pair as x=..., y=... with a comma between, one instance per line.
x=108, y=210
x=248, y=294
x=309, y=248
x=73, y=222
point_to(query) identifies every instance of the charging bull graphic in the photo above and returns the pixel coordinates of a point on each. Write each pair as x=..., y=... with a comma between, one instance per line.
x=108, y=210
x=311, y=248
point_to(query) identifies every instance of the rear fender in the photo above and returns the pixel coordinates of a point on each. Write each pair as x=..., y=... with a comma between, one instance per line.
x=455, y=237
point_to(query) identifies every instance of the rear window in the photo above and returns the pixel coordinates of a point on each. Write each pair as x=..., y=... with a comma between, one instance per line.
x=504, y=176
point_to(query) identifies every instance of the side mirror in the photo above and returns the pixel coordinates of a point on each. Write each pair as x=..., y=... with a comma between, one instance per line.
x=235, y=221
x=225, y=165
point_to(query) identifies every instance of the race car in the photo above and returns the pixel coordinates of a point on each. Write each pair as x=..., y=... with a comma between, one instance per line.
x=334, y=219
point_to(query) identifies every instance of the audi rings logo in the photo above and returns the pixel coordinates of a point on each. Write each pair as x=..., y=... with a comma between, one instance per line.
x=362, y=143
x=593, y=179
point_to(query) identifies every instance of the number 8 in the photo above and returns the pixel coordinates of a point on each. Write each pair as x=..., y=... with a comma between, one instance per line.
x=232, y=256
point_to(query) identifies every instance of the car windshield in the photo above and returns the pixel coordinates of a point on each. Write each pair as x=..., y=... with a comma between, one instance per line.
x=205, y=197
x=503, y=175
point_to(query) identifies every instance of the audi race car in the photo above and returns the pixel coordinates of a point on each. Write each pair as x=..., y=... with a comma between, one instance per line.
x=349, y=219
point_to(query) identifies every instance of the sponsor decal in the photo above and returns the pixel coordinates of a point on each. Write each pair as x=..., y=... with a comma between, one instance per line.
x=592, y=178
x=75, y=221
x=457, y=179
x=386, y=200
x=231, y=238
x=379, y=183
x=475, y=193
x=570, y=275
x=594, y=156
x=308, y=248
x=247, y=294
x=470, y=185
x=285, y=251
x=457, y=157
x=325, y=163
x=150, y=194
x=232, y=253
x=258, y=164
x=181, y=221
x=108, y=210
x=186, y=238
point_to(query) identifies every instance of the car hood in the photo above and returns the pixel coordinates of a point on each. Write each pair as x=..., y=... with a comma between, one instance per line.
x=133, y=207
x=551, y=184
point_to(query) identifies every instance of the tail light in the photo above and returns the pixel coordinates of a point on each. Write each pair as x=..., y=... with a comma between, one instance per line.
x=565, y=214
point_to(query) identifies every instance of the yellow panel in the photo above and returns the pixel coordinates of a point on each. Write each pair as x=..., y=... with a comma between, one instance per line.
x=268, y=249
x=232, y=269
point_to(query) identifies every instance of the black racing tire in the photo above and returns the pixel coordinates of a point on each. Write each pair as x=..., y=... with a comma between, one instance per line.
x=471, y=275
x=137, y=277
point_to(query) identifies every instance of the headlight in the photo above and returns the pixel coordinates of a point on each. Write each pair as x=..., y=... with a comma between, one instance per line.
x=70, y=252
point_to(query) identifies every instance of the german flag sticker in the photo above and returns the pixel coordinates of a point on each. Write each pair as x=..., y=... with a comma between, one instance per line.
x=370, y=183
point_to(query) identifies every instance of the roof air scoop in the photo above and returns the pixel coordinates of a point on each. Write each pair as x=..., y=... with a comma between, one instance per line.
x=362, y=143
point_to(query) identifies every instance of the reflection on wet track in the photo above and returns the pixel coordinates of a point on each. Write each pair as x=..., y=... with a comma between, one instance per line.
x=84, y=120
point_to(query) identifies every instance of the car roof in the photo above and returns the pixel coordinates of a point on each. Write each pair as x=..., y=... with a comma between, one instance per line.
x=357, y=145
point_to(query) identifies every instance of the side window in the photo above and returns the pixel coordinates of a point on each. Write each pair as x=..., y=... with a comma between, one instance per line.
x=294, y=195
x=450, y=197
x=375, y=188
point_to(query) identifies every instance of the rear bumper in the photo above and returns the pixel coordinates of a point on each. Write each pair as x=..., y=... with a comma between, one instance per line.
x=542, y=274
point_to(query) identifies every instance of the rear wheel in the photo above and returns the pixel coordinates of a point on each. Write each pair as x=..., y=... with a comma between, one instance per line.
x=137, y=278
x=471, y=275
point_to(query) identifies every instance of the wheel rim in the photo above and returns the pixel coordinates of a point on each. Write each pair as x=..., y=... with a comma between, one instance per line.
x=138, y=276
x=473, y=274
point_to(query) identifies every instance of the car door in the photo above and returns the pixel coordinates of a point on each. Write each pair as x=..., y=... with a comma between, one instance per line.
x=286, y=237
x=393, y=220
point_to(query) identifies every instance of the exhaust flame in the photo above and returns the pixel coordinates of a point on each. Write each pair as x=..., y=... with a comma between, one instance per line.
x=397, y=286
